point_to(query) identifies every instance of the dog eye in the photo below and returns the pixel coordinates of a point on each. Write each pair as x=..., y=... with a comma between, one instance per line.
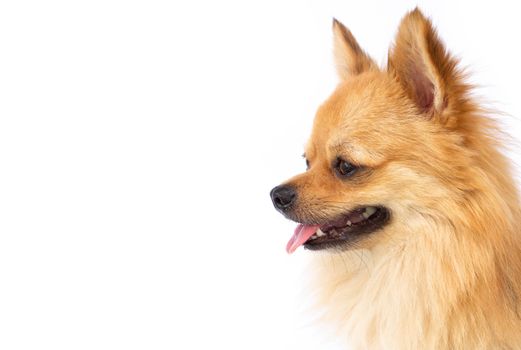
x=344, y=169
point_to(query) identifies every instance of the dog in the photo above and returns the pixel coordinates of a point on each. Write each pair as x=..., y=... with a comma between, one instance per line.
x=405, y=174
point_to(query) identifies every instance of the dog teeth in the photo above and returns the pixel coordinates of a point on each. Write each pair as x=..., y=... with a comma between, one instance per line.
x=317, y=234
x=368, y=212
x=349, y=223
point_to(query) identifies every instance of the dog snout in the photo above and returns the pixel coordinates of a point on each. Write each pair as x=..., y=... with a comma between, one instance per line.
x=283, y=197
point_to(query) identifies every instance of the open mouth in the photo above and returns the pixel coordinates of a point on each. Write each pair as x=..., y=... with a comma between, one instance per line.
x=346, y=229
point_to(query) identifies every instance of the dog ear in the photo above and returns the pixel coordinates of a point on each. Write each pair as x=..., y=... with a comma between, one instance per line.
x=421, y=64
x=350, y=59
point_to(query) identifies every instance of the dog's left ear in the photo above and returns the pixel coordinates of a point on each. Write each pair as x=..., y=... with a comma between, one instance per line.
x=422, y=65
x=350, y=59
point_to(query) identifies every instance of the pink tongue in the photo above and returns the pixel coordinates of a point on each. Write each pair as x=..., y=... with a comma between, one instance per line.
x=301, y=235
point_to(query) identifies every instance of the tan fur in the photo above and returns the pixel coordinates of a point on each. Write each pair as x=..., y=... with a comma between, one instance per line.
x=446, y=272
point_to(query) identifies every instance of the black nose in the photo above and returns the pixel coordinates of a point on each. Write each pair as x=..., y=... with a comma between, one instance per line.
x=283, y=196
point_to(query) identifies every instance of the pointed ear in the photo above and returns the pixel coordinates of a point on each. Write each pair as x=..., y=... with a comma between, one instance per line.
x=350, y=59
x=421, y=63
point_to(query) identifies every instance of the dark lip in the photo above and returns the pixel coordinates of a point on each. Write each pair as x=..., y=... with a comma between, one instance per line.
x=345, y=236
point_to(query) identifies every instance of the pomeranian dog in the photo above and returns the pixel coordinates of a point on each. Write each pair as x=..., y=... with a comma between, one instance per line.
x=410, y=203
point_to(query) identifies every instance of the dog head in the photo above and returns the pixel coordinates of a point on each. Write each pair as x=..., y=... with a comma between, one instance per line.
x=386, y=147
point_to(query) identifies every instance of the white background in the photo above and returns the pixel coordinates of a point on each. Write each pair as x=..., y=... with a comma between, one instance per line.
x=138, y=144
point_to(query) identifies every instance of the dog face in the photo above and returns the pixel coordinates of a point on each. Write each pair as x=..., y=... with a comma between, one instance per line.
x=383, y=146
